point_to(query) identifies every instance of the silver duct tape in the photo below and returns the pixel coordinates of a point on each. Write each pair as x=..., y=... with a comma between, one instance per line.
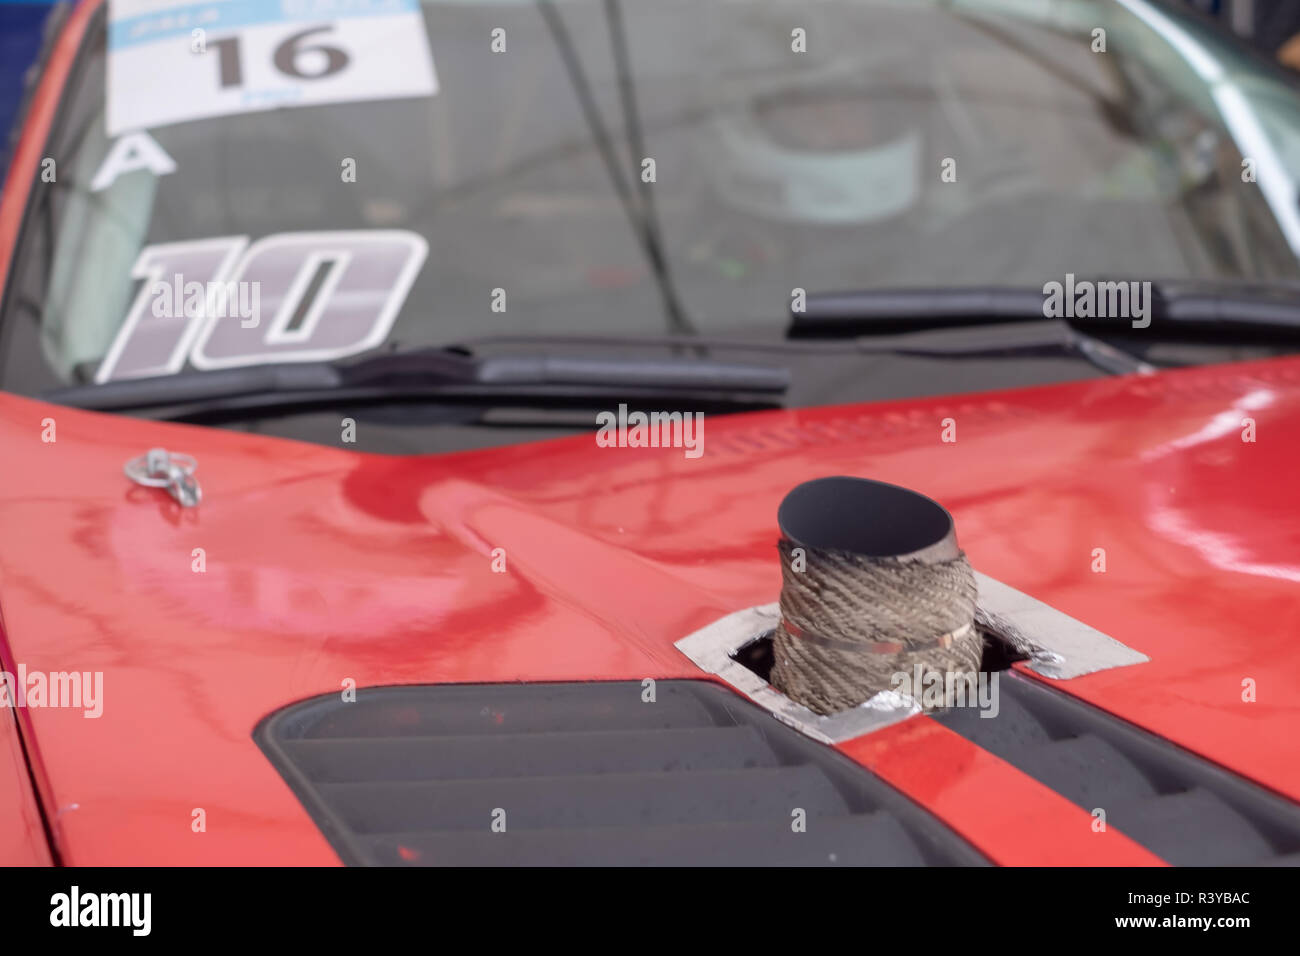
x=1058, y=647
x=711, y=648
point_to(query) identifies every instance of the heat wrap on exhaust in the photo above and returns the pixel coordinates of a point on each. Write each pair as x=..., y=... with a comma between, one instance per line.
x=852, y=621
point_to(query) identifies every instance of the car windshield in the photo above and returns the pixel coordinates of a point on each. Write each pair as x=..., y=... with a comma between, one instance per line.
x=622, y=168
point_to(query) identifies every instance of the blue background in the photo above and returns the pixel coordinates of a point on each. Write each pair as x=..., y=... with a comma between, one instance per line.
x=20, y=42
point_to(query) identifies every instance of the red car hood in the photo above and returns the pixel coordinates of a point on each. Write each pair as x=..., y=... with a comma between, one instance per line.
x=326, y=565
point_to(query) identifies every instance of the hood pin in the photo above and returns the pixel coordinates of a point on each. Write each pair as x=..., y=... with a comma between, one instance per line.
x=159, y=468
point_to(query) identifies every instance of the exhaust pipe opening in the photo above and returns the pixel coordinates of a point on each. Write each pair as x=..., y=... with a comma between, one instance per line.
x=867, y=518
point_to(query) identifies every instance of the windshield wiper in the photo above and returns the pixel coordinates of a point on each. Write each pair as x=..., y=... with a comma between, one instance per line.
x=449, y=374
x=1176, y=307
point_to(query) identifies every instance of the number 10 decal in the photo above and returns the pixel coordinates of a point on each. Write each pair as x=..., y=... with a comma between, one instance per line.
x=322, y=296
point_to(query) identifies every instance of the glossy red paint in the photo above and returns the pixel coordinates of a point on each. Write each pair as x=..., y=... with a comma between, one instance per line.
x=326, y=564
x=22, y=835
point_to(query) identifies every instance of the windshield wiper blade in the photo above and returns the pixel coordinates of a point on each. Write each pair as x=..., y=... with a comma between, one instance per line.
x=1002, y=339
x=430, y=373
x=1179, y=307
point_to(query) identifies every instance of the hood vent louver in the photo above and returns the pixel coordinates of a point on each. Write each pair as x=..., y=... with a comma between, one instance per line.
x=1188, y=811
x=587, y=773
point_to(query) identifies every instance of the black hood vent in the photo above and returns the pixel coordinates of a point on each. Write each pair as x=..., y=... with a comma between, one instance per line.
x=1186, y=810
x=587, y=774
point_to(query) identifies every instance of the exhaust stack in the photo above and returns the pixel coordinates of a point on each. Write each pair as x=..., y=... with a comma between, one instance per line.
x=874, y=585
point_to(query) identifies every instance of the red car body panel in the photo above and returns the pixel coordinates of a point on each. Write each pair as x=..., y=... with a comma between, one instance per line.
x=22, y=836
x=324, y=565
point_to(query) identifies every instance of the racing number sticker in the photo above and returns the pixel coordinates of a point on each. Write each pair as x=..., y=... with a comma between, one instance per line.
x=321, y=295
x=154, y=341
x=170, y=61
